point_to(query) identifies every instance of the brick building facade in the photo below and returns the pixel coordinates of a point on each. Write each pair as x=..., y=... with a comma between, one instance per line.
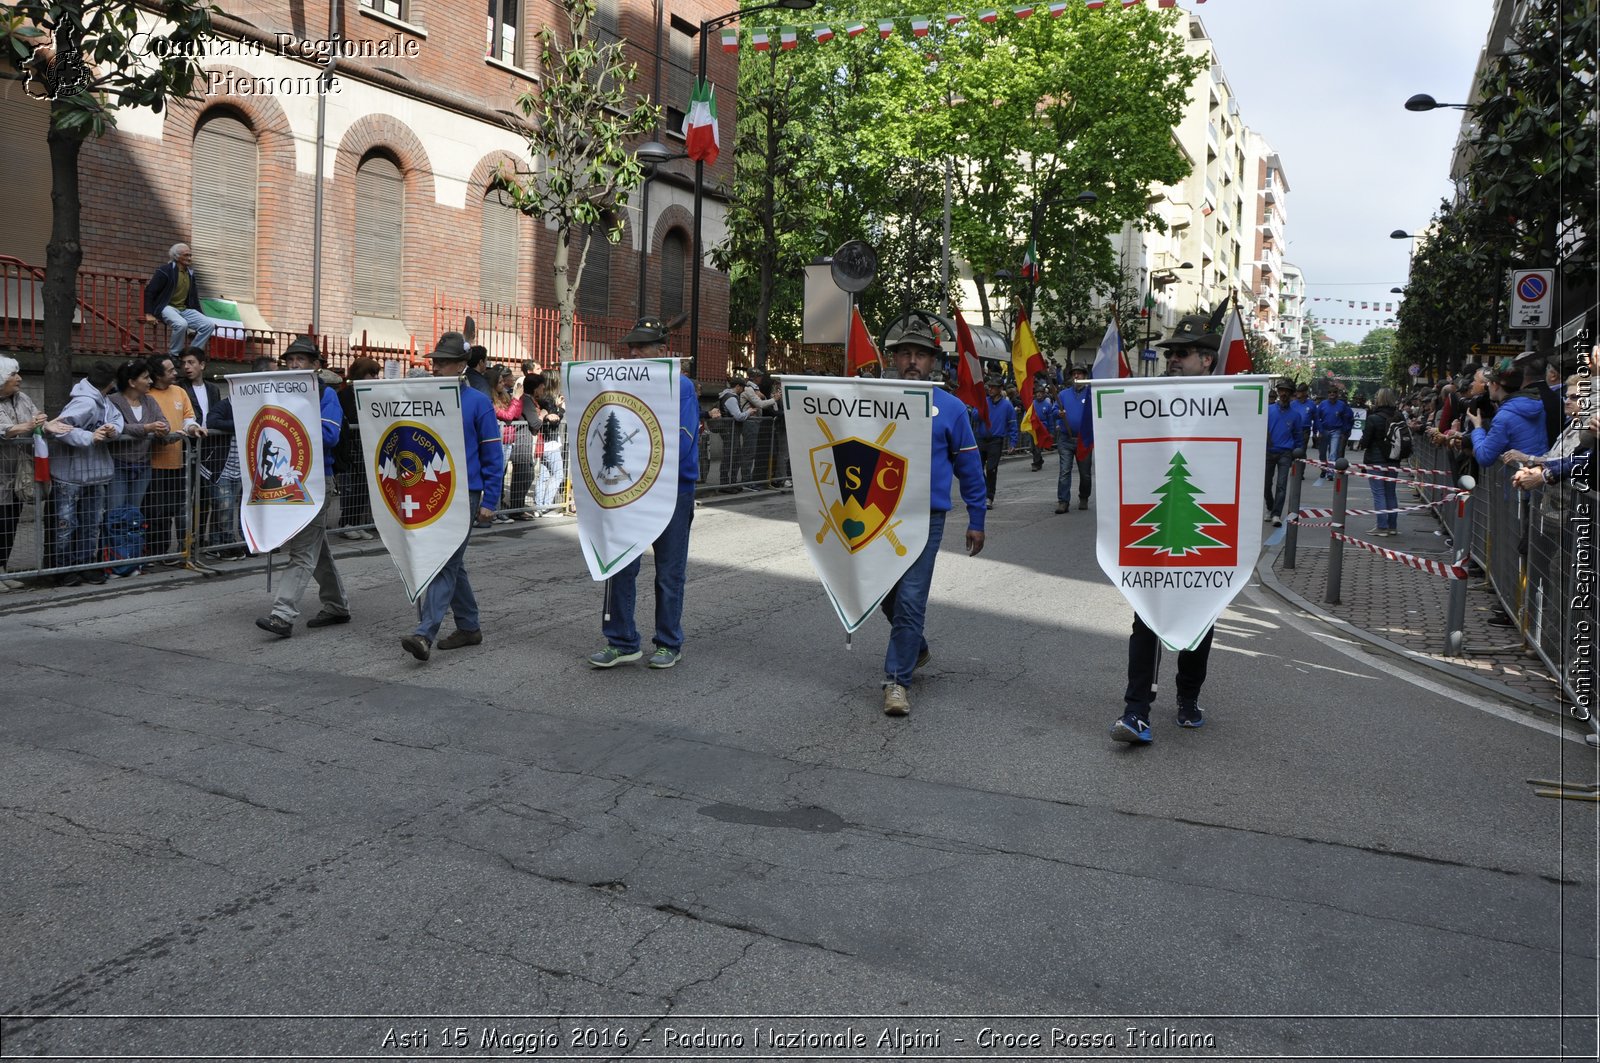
x=413, y=133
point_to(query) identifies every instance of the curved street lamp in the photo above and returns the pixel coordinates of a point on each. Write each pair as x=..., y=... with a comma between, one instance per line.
x=652, y=154
x=1423, y=102
x=700, y=167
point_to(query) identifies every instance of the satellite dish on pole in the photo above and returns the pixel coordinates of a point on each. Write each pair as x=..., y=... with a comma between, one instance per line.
x=855, y=265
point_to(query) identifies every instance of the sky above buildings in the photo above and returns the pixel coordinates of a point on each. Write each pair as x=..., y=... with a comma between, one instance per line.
x=1325, y=84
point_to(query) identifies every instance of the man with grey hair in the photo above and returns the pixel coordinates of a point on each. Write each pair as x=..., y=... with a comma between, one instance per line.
x=173, y=296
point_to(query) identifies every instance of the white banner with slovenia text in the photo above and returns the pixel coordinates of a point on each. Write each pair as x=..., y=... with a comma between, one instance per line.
x=414, y=450
x=623, y=453
x=1180, y=465
x=862, y=455
x=277, y=421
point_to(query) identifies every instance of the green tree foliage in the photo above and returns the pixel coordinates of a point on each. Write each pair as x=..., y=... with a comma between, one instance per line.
x=92, y=58
x=575, y=126
x=1031, y=112
x=1451, y=298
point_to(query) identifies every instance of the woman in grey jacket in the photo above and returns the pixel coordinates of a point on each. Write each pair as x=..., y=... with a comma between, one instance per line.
x=142, y=425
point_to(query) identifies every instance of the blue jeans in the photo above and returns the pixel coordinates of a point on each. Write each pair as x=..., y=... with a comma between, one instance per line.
x=1279, y=462
x=180, y=322
x=1383, y=497
x=1067, y=454
x=548, y=483
x=1333, y=444
x=128, y=485
x=80, y=510
x=906, y=606
x=672, y=567
x=226, y=529
x=451, y=589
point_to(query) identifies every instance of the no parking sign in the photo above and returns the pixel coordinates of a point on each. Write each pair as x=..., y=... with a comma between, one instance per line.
x=1530, y=298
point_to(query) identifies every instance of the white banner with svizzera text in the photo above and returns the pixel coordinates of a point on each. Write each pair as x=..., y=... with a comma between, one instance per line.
x=623, y=453
x=413, y=444
x=862, y=455
x=1179, y=464
x=277, y=419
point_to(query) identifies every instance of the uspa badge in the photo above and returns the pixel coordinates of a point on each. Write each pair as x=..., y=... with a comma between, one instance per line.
x=280, y=458
x=416, y=475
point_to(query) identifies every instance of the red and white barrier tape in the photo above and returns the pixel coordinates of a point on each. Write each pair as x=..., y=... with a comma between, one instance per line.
x=1360, y=512
x=1458, y=570
x=1418, y=484
x=1363, y=467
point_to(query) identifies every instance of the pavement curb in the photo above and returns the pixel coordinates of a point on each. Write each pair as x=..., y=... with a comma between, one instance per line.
x=1269, y=579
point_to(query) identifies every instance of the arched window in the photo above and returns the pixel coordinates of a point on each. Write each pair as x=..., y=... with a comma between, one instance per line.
x=380, y=228
x=222, y=203
x=497, y=253
x=594, y=284
x=674, y=262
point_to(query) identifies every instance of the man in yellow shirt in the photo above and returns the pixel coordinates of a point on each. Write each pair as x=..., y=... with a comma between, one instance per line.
x=166, y=502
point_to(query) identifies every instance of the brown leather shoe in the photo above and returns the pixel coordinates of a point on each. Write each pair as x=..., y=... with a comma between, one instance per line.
x=459, y=639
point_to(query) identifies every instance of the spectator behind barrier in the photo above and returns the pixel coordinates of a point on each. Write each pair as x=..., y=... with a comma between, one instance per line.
x=1519, y=421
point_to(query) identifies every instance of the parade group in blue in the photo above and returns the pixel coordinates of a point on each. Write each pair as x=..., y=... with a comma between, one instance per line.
x=878, y=466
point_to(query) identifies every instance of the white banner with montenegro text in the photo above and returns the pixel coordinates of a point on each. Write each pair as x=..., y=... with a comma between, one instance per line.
x=277, y=419
x=414, y=450
x=862, y=455
x=1179, y=466
x=623, y=453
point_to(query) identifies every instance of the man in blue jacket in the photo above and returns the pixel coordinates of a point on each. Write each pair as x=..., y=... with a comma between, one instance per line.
x=1335, y=420
x=992, y=431
x=173, y=296
x=1285, y=432
x=914, y=353
x=1518, y=419
x=309, y=555
x=649, y=340
x=451, y=590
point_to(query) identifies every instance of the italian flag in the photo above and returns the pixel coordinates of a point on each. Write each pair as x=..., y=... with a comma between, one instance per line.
x=700, y=134
x=1023, y=12
x=760, y=40
x=224, y=314
x=730, y=39
x=1030, y=263
x=854, y=29
x=954, y=18
x=41, y=457
x=919, y=26
x=885, y=28
x=1095, y=5
x=1058, y=8
x=988, y=14
x=822, y=32
x=788, y=37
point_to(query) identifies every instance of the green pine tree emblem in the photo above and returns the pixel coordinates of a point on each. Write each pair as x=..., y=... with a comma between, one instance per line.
x=1177, y=519
x=611, y=443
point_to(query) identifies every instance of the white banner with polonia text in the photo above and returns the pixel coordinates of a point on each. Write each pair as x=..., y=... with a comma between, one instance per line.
x=1179, y=466
x=862, y=455
x=277, y=420
x=414, y=453
x=623, y=453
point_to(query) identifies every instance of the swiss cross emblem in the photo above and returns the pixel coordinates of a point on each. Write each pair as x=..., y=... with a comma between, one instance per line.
x=416, y=475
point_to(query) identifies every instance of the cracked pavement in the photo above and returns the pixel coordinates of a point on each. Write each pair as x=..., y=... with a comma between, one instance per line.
x=200, y=821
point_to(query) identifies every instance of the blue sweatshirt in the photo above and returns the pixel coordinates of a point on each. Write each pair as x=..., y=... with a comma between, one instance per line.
x=1309, y=421
x=1002, y=420
x=1518, y=425
x=1335, y=416
x=486, y=455
x=1077, y=417
x=688, y=434
x=956, y=451
x=1285, y=429
x=332, y=419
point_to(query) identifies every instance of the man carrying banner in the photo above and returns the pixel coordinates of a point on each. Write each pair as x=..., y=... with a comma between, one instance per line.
x=1190, y=351
x=915, y=354
x=649, y=340
x=486, y=469
x=309, y=555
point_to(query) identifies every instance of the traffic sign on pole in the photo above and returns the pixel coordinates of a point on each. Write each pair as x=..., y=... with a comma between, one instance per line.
x=1530, y=298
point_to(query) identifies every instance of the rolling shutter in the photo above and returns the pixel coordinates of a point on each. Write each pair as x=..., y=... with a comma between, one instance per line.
x=674, y=252
x=23, y=125
x=222, y=198
x=380, y=225
x=497, y=254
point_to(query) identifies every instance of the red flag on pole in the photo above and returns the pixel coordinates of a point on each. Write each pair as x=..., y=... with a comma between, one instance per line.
x=1233, y=355
x=41, y=457
x=969, y=373
x=860, y=351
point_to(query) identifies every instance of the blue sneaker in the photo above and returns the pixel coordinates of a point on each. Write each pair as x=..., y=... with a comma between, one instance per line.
x=1131, y=729
x=1190, y=714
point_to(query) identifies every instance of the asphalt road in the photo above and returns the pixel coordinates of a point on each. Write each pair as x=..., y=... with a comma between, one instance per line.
x=202, y=821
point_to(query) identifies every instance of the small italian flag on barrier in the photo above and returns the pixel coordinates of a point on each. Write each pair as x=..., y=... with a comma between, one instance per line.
x=41, y=457
x=700, y=135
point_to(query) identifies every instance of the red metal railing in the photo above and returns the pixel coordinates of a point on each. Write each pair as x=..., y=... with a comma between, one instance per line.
x=109, y=317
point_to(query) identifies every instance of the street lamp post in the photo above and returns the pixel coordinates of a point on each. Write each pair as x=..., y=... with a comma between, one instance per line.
x=700, y=166
x=1423, y=102
x=1159, y=278
x=652, y=154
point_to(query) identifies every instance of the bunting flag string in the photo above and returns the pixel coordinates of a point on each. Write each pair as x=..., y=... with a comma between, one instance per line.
x=762, y=38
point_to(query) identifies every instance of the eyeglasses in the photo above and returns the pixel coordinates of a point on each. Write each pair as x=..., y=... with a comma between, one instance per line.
x=1181, y=352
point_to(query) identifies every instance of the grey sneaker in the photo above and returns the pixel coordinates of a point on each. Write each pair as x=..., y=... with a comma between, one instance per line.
x=610, y=657
x=665, y=658
x=895, y=700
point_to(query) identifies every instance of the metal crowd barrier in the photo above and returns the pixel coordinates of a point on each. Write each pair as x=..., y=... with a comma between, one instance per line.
x=744, y=457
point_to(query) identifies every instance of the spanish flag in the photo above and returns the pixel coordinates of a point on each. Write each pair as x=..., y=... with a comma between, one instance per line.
x=1026, y=361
